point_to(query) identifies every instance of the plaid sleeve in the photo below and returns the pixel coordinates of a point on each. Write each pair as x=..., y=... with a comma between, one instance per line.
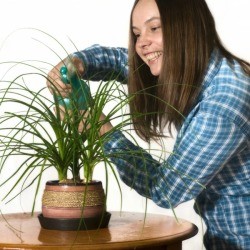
x=201, y=153
x=104, y=63
x=136, y=167
x=208, y=142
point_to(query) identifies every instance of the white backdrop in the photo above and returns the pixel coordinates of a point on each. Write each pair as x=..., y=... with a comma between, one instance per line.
x=104, y=22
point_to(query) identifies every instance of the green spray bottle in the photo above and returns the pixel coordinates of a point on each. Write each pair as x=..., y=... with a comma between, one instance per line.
x=80, y=95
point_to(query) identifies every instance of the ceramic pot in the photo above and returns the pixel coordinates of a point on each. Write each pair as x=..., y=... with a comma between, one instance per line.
x=66, y=201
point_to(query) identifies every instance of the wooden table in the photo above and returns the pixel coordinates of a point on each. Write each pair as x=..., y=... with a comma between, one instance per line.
x=126, y=231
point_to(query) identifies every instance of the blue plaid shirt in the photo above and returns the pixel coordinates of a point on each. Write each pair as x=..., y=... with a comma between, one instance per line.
x=211, y=157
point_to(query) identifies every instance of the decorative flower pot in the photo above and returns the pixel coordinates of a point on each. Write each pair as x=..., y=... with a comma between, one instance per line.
x=74, y=206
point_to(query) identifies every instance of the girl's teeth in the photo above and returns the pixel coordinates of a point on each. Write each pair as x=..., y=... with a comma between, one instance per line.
x=153, y=56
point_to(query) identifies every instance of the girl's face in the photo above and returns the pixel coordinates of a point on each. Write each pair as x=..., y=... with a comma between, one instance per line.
x=146, y=25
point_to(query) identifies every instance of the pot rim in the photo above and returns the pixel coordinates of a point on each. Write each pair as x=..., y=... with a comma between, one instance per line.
x=56, y=183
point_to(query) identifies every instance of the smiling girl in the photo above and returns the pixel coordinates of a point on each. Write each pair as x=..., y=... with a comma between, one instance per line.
x=175, y=55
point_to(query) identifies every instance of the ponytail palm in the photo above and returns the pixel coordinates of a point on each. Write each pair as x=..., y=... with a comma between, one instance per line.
x=42, y=139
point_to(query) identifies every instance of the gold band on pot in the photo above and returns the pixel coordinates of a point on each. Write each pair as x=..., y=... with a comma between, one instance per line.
x=73, y=199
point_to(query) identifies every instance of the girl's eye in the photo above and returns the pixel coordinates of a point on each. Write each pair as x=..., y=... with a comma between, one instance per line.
x=137, y=35
x=155, y=28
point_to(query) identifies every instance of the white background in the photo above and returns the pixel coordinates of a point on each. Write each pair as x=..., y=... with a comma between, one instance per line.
x=104, y=22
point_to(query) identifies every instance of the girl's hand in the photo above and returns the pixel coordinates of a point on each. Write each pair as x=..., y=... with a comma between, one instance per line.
x=54, y=82
x=107, y=126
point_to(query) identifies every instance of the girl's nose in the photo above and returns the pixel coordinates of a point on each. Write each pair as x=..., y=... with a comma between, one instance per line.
x=144, y=40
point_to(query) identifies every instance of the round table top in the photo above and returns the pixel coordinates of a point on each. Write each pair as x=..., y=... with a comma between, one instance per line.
x=126, y=230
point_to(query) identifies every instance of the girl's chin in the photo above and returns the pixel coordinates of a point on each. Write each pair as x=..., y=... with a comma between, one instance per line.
x=155, y=72
x=155, y=68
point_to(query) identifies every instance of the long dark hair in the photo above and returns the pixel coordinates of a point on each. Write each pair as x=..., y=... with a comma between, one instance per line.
x=189, y=37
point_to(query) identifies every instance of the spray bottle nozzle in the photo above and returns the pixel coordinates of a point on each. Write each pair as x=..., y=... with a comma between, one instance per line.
x=64, y=76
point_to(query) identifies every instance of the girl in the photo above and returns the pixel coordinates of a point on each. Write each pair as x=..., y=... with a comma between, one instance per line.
x=176, y=55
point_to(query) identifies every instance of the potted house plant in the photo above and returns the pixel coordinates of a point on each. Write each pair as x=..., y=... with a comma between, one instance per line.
x=45, y=140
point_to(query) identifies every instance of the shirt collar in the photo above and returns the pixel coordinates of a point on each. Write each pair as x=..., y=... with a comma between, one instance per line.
x=213, y=67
